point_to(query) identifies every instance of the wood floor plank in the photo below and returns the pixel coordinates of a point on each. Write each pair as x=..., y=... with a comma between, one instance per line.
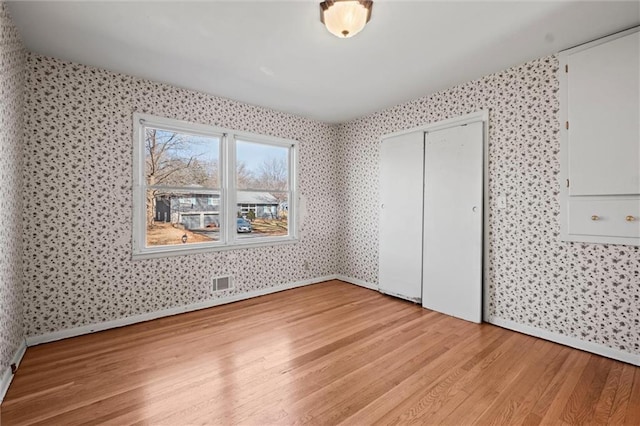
x=623, y=395
x=542, y=387
x=633, y=409
x=322, y=354
x=568, y=381
x=602, y=409
x=581, y=404
x=368, y=382
x=449, y=389
x=484, y=383
x=550, y=394
x=403, y=393
x=516, y=400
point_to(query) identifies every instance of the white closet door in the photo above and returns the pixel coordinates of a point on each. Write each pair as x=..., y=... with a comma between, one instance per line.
x=400, y=237
x=453, y=194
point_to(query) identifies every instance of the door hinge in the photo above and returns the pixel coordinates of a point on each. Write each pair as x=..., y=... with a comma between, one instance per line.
x=566, y=125
x=566, y=68
x=567, y=183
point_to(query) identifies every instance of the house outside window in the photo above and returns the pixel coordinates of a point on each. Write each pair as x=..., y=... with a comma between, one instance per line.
x=193, y=184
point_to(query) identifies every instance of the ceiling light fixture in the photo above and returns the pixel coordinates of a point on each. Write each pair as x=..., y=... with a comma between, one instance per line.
x=345, y=18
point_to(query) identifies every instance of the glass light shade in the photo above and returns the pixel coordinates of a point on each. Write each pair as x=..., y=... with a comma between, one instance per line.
x=345, y=18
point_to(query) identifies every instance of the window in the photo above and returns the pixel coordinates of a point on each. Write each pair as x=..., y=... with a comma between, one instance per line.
x=262, y=186
x=200, y=188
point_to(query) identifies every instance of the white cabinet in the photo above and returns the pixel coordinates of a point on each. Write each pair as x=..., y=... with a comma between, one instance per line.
x=604, y=216
x=600, y=140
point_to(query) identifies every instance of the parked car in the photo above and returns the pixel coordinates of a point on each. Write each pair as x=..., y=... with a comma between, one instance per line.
x=244, y=225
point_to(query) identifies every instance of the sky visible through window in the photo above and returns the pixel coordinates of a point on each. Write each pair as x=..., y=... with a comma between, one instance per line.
x=253, y=155
x=207, y=149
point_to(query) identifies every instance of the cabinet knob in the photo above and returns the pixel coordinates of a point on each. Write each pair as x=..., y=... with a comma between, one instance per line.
x=595, y=217
x=629, y=218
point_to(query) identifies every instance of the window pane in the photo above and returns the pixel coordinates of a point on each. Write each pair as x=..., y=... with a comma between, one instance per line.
x=262, y=166
x=182, y=218
x=262, y=214
x=176, y=159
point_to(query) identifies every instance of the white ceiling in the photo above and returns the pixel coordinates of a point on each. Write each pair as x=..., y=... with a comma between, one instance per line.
x=279, y=55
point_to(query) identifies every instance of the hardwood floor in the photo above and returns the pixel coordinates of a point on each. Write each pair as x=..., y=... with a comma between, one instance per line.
x=322, y=354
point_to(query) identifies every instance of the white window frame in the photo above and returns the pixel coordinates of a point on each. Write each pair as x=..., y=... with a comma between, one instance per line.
x=228, y=201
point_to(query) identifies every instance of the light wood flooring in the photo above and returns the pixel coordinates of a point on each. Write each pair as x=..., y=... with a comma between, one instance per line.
x=322, y=354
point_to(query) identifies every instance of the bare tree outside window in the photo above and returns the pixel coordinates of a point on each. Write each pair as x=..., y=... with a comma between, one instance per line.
x=178, y=160
x=244, y=175
x=274, y=175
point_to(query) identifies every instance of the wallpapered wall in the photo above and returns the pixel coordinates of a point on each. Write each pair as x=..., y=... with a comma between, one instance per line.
x=77, y=205
x=12, y=57
x=586, y=291
x=78, y=199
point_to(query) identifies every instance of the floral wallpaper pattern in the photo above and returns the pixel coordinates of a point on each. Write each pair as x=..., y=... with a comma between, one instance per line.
x=586, y=291
x=12, y=56
x=78, y=199
x=77, y=204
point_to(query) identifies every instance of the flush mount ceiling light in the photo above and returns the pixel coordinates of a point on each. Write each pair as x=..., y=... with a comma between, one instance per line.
x=345, y=18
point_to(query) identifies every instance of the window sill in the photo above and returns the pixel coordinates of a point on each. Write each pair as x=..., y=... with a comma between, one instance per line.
x=170, y=251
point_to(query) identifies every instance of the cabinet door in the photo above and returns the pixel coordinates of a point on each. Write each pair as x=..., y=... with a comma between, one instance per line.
x=400, y=241
x=603, y=111
x=605, y=216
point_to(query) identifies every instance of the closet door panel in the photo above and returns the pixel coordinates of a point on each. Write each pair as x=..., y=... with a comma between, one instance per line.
x=453, y=212
x=400, y=238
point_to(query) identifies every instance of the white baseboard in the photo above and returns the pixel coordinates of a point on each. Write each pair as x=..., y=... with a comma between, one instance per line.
x=7, y=374
x=92, y=328
x=595, y=348
x=375, y=287
x=401, y=296
x=356, y=282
